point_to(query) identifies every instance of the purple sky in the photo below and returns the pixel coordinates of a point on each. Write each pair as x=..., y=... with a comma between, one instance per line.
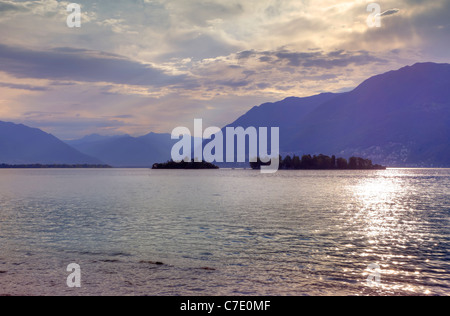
x=143, y=65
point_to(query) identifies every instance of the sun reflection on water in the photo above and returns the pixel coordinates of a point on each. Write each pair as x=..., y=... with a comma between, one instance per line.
x=389, y=228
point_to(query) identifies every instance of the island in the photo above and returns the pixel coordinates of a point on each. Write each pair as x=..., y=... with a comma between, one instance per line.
x=54, y=166
x=320, y=162
x=185, y=165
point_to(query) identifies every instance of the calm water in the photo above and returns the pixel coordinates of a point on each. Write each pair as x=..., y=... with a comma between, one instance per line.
x=292, y=233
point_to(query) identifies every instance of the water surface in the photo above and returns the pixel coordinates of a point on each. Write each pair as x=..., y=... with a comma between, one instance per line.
x=225, y=232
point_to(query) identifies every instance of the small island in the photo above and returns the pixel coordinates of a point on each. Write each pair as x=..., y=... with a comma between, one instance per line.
x=321, y=162
x=54, y=166
x=194, y=165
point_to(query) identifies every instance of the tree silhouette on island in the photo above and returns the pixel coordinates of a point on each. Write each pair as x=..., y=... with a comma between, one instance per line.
x=193, y=164
x=307, y=162
x=321, y=162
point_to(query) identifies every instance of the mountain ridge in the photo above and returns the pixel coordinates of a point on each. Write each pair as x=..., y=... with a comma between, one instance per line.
x=400, y=118
x=20, y=144
x=127, y=151
x=405, y=110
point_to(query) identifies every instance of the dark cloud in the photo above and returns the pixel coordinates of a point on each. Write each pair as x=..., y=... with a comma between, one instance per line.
x=80, y=65
x=126, y=116
x=390, y=12
x=22, y=87
x=263, y=85
x=233, y=83
x=245, y=54
x=337, y=53
x=9, y=6
x=295, y=59
x=265, y=59
x=340, y=58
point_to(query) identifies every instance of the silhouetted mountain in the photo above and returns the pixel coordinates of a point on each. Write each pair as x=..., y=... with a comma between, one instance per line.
x=400, y=118
x=20, y=144
x=125, y=150
x=91, y=138
x=284, y=114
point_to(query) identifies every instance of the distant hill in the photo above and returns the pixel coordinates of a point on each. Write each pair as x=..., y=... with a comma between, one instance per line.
x=20, y=144
x=400, y=118
x=127, y=151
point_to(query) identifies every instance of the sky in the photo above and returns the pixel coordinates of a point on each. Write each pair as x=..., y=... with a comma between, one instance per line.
x=143, y=66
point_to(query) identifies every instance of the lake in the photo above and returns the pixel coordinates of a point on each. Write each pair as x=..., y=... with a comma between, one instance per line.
x=225, y=232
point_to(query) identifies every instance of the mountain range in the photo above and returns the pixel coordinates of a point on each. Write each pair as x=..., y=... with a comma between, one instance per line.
x=20, y=144
x=125, y=150
x=399, y=119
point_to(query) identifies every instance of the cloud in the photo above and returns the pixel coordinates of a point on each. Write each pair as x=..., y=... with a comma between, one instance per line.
x=22, y=87
x=390, y=12
x=41, y=8
x=196, y=45
x=232, y=83
x=317, y=59
x=10, y=6
x=202, y=13
x=81, y=65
